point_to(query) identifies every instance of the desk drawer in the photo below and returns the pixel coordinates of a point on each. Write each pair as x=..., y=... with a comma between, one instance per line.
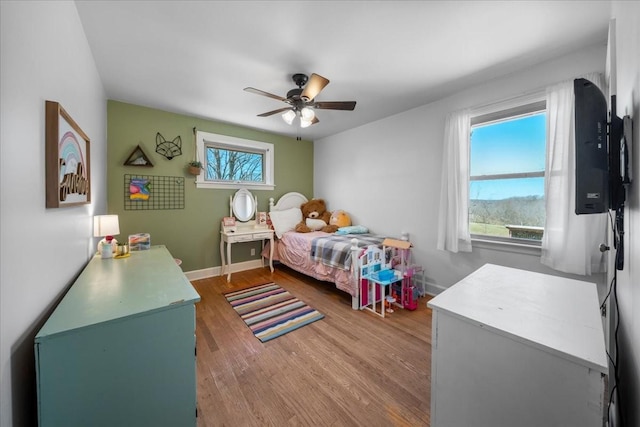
x=241, y=238
x=263, y=235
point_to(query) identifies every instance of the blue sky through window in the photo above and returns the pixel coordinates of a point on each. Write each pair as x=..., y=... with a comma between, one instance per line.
x=510, y=146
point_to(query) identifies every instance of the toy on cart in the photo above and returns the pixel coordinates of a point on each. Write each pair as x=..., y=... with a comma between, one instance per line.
x=378, y=289
x=370, y=262
x=408, y=289
x=401, y=262
x=388, y=277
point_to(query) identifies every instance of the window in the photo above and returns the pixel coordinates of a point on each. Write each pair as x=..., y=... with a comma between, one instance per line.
x=230, y=162
x=506, y=167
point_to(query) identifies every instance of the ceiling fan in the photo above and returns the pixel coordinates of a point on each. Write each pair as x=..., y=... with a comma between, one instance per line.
x=302, y=102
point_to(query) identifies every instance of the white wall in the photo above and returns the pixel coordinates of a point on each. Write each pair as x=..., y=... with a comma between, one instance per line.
x=627, y=16
x=386, y=174
x=44, y=56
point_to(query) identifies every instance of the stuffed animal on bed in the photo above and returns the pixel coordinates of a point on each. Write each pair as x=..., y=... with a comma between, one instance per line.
x=340, y=218
x=315, y=217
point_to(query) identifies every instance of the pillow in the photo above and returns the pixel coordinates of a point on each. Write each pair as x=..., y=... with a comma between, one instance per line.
x=315, y=224
x=352, y=229
x=285, y=220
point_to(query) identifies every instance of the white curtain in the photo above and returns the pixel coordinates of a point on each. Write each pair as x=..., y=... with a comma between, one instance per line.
x=453, y=221
x=570, y=242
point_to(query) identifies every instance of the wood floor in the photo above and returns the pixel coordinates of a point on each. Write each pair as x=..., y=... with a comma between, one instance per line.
x=351, y=368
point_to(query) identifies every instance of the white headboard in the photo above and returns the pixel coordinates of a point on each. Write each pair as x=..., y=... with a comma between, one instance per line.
x=287, y=201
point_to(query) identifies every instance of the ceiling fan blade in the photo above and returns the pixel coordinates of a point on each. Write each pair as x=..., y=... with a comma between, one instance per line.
x=315, y=120
x=335, y=105
x=271, y=113
x=314, y=86
x=263, y=93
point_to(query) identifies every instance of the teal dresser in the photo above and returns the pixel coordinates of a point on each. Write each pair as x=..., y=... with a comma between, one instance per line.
x=119, y=350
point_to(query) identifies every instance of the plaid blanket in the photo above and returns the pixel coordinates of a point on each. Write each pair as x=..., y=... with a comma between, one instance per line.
x=335, y=250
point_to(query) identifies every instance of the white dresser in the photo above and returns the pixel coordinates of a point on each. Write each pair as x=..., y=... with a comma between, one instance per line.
x=516, y=348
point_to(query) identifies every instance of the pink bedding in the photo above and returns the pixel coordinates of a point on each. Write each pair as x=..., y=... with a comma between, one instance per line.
x=293, y=251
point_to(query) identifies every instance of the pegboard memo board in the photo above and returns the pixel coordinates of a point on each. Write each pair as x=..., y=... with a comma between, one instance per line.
x=149, y=192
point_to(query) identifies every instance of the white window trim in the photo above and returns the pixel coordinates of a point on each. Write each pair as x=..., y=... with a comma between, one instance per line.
x=204, y=138
x=520, y=246
x=521, y=106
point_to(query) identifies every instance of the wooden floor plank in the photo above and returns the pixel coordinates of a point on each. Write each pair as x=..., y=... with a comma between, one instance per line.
x=351, y=368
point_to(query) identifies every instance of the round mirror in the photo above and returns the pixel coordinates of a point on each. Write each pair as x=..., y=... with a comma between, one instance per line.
x=243, y=205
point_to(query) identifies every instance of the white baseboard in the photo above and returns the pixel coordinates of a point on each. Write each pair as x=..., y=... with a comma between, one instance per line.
x=433, y=289
x=215, y=271
x=429, y=287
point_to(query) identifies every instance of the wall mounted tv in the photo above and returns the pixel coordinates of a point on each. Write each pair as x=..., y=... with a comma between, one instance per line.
x=600, y=162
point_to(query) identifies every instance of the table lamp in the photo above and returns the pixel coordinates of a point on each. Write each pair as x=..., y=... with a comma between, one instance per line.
x=105, y=226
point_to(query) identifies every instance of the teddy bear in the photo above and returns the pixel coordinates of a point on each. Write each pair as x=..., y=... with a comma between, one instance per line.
x=340, y=218
x=315, y=217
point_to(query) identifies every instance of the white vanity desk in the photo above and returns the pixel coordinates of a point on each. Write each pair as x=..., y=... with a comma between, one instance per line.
x=242, y=206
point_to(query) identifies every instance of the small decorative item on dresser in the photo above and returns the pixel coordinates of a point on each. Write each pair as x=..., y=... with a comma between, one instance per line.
x=262, y=219
x=229, y=224
x=106, y=226
x=194, y=167
x=139, y=242
x=122, y=249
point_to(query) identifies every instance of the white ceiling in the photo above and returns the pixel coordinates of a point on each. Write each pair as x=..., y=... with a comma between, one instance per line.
x=195, y=57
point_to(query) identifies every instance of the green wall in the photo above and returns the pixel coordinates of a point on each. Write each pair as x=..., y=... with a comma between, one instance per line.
x=193, y=233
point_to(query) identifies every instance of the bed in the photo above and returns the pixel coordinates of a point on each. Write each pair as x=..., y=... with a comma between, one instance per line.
x=323, y=256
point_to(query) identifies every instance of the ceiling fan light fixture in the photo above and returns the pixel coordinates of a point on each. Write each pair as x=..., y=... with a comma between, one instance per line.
x=307, y=114
x=289, y=116
x=300, y=101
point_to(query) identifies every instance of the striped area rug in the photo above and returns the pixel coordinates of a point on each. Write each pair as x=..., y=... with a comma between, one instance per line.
x=271, y=311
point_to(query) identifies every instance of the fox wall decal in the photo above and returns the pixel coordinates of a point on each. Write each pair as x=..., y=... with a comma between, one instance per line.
x=169, y=149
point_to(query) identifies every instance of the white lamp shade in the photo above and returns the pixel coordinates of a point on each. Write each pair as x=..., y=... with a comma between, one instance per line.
x=307, y=114
x=105, y=225
x=289, y=116
x=304, y=123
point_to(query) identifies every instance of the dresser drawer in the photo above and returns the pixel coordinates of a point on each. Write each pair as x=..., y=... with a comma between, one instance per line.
x=241, y=238
x=263, y=235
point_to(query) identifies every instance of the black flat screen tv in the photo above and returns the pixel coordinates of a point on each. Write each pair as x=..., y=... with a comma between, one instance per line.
x=597, y=151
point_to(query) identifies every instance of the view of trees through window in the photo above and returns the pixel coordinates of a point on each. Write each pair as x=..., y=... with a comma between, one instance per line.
x=506, y=191
x=232, y=165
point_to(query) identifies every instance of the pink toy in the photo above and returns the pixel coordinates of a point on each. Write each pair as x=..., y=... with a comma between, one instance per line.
x=408, y=302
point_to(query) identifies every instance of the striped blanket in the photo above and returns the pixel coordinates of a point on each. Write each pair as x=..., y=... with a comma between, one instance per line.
x=335, y=250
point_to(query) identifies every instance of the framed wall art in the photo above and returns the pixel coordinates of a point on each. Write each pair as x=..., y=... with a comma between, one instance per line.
x=67, y=168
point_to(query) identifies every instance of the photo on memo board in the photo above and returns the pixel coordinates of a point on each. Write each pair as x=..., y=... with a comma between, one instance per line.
x=67, y=169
